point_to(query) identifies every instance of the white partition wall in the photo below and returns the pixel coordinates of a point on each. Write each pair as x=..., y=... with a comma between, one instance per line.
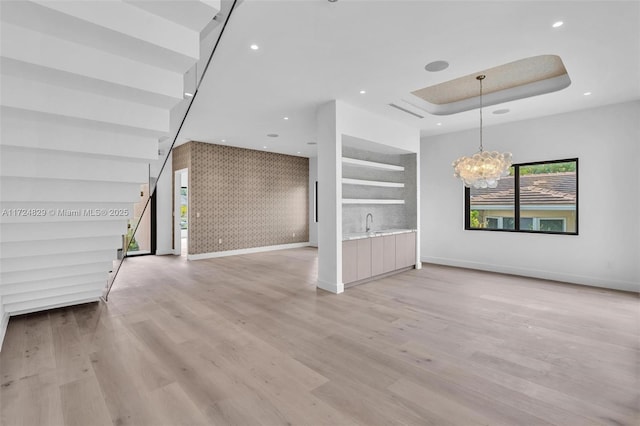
x=336, y=121
x=329, y=200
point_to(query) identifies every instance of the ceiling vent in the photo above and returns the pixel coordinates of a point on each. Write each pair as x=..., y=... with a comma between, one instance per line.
x=509, y=82
x=405, y=110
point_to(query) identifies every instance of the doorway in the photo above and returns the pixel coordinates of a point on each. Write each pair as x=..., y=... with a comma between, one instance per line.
x=139, y=238
x=181, y=212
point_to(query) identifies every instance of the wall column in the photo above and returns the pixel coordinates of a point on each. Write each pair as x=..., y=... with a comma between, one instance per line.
x=329, y=200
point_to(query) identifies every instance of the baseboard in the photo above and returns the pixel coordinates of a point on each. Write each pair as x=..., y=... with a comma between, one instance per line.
x=335, y=288
x=245, y=251
x=381, y=276
x=164, y=252
x=3, y=328
x=536, y=273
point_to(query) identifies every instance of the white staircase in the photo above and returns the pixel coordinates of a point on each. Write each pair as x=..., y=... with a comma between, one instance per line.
x=87, y=90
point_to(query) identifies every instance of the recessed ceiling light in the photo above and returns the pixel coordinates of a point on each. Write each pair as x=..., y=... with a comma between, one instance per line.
x=438, y=124
x=265, y=147
x=436, y=66
x=188, y=95
x=223, y=140
x=557, y=24
x=285, y=118
x=254, y=47
x=362, y=92
x=587, y=93
x=501, y=111
x=273, y=135
x=298, y=152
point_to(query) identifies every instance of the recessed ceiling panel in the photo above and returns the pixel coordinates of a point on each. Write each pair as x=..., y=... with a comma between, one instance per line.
x=516, y=80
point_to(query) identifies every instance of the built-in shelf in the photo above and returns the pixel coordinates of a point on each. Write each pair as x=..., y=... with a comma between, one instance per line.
x=350, y=181
x=370, y=201
x=371, y=164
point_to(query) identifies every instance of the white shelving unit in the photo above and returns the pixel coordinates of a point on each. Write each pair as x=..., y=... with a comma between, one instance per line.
x=383, y=167
x=370, y=201
x=371, y=164
x=349, y=181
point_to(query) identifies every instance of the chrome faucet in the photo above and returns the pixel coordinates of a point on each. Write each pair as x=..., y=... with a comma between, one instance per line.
x=368, y=228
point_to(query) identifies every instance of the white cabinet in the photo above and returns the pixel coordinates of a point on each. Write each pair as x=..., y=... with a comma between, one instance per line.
x=377, y=255
x=368, y=257
x=356, y=260
x=349, y=261
x=405, y=250
x=364, y=258
x=389, y=256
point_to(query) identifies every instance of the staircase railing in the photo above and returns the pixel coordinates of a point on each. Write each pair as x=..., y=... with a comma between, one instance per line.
x=193, y=76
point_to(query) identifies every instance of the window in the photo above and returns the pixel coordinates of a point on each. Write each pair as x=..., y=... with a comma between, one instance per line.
x=526, y=223
x=552, y=225
x=539, y=197
x=508, y=223
x=499, y=222
x=493, y=222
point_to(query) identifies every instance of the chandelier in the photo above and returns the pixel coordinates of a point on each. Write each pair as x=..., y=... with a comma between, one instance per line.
x=484, y=169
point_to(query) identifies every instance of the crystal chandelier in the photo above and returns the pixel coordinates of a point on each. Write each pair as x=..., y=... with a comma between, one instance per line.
x=483, y=169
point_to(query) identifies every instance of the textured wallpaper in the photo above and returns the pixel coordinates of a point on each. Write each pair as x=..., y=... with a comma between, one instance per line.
x=245, y=198
x=181, y=157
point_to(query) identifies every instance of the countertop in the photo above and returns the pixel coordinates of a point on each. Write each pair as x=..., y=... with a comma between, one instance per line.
x=378, y=233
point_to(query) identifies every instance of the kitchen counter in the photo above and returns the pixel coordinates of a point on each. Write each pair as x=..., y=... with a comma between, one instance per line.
x=368, y=255
x=379, y=233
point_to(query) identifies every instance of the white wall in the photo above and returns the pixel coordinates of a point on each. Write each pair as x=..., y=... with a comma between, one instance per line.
x=362, y=124
x=329, y=199
x=313, y=177
x=606, y=253
x=164, y=210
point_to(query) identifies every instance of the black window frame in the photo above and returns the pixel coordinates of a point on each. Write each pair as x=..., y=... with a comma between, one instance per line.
x=516, y=204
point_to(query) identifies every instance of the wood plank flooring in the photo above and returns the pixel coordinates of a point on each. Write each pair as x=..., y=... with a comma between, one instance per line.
x=248, y=340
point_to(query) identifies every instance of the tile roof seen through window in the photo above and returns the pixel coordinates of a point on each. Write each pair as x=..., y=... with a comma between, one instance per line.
x=549, y=188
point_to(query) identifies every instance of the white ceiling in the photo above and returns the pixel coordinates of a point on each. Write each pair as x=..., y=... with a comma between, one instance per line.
x=313, y=51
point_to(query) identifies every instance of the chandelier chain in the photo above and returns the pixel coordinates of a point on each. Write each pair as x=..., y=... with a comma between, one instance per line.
x=482, y=169
x=480, y=78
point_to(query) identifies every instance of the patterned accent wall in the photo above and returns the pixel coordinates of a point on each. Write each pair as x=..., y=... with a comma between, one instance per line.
x=245, y=198
x=181, y=158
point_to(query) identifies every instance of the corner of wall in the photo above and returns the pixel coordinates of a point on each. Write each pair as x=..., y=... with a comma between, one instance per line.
x=4, y=322
x=335, y=288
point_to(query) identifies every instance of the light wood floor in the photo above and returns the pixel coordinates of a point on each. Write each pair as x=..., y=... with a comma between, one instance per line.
x=248, y=340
